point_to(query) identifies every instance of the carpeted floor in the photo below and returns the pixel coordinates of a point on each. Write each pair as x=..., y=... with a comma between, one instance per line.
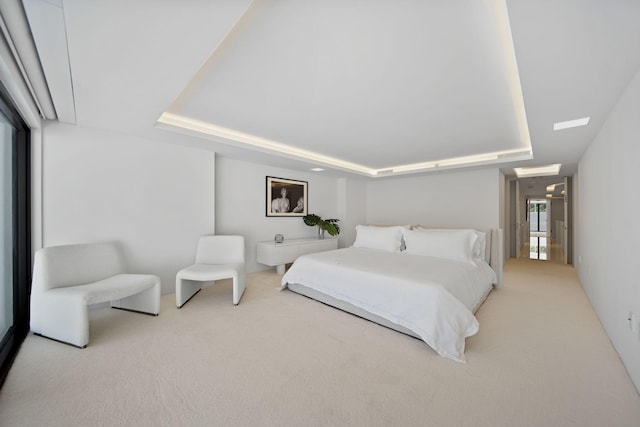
x=541, y=358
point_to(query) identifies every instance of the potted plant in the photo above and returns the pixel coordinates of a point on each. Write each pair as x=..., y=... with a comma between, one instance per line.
x=328, y=225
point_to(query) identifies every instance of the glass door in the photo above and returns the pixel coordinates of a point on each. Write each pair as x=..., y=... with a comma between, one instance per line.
x=7, y=136
x=15, y=238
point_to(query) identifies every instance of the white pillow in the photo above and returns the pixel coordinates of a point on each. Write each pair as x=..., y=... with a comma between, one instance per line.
x=450, y=244
x=478, y=252
x=383, y=238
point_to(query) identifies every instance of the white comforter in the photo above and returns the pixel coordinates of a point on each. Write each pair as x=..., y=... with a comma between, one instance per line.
x=432, y=297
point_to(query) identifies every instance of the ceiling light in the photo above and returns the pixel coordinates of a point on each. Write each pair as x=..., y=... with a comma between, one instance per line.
x=317, y=169
x=551, y=188
x=571, y=123
x=538, y=171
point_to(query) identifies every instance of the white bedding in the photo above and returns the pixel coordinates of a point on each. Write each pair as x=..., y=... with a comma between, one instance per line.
x=433, y=297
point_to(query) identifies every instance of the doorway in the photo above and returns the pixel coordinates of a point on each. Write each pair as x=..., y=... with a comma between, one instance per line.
x=538, y=210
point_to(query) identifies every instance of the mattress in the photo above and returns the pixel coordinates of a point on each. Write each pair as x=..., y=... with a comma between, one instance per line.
x=430, y=298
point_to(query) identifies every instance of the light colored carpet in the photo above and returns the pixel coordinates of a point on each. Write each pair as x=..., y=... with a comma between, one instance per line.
x=541, y=358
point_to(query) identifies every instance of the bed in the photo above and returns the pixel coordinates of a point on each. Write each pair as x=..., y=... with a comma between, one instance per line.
x=427, y=283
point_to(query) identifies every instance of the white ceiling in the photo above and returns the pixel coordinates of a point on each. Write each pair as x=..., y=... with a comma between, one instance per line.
x=374, y=83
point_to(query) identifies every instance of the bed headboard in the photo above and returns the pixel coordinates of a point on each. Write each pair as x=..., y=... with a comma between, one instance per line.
x=496, y=260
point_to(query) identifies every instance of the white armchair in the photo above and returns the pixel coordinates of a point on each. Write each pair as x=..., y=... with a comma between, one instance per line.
x=217, y=257
x=69, y=278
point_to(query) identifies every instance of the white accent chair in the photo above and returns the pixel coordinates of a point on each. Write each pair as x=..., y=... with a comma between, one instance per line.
x=217, y=257
x=69, y=278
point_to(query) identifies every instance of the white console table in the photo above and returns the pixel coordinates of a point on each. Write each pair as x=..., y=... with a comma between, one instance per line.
x=279, y=254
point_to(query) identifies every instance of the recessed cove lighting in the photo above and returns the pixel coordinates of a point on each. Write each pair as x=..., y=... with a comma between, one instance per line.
x=538, y=171
x=571, y=123
x=317, y=169
x=230, y=136
x=234, y=136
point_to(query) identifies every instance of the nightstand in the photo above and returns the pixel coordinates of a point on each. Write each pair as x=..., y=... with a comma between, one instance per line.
x=279, y=254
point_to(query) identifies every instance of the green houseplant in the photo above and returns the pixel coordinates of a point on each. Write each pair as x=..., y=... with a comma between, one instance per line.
x=328, y=225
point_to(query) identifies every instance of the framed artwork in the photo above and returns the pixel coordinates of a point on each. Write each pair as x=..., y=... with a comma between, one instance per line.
x=286, y=197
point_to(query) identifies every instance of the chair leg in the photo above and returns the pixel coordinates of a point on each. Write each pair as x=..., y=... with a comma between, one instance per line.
x=239, y=284
x=185, y=290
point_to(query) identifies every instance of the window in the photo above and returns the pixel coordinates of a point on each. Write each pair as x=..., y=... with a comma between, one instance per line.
x=538, y=247
x=15, y=249
x=538, y=216
x=538, y=229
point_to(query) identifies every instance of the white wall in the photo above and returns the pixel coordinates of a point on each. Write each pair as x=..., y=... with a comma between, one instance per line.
x=451, y=199
x=575, y=217
x=510, y=218
x=524, y=224
x=510, y=228
x=240, y=204
x=155, y=198
x=556, y=213
x=353, y=202
x=608, y=203
x=502, y=212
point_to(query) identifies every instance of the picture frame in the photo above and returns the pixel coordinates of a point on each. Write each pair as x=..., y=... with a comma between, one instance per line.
x=286, y=197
